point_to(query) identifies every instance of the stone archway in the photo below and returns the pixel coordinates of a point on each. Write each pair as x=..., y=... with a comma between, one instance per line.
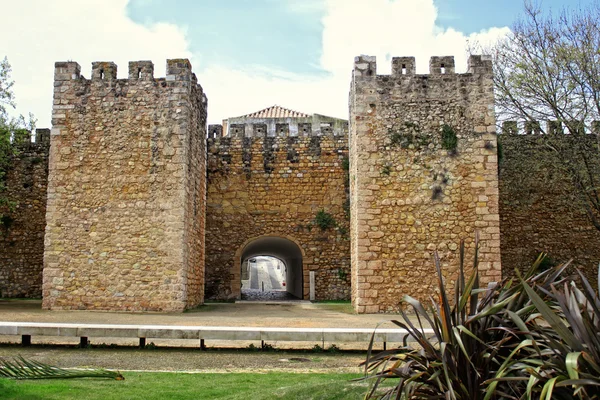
x=282, y=247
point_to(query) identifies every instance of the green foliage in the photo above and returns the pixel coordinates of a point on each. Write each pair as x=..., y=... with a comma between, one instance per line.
x=346, y=164
x=324, y=220
x=20, y=368
x=449, y=138
x=205, y=386
x=486, y=342
x=386, y=170
x=342, y=274
x=317, y=349
x=9, y=127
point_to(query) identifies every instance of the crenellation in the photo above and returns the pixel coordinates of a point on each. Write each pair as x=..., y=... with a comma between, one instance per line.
x=510, y=128
x=479, y=65
x=403, y=66
x=104, y=70
x=215, y=131
x=282, y=130
x=42, y=136
x=66, y=71
x=554, y=128
x=533, y=128
x=365, y=66
x=259, y=130
x=573, y=127
x=143, y=70
x=179, y=69
x=441, y=65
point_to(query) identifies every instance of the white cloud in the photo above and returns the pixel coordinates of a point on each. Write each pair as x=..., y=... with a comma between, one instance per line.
x=43, y=32
x=382, y=28
x=36, y=33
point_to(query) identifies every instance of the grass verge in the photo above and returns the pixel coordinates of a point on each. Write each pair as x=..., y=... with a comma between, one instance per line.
x=165, y=385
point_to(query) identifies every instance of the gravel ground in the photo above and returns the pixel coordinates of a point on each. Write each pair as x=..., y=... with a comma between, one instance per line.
x=173, y=359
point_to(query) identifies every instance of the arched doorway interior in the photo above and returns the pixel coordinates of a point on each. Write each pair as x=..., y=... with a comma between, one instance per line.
x=269, y=253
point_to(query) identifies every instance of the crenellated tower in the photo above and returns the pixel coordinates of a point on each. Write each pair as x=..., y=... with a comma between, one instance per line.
x=423, y=176
x=126, y=191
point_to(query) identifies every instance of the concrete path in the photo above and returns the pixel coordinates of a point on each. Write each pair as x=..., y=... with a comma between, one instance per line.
x=286, y=314
x=246, y=314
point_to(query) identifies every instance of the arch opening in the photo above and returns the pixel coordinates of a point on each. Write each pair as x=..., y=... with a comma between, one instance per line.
x=271, y=269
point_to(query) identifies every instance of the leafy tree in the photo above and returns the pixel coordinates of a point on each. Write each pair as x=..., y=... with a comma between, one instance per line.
x=548, y=69
x=9, y=128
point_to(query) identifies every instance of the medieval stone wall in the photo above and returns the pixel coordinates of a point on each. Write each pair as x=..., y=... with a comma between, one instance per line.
x=423, y=176
x=22, y=227
x=275, y=186
x=125, y=209
x=541, y=209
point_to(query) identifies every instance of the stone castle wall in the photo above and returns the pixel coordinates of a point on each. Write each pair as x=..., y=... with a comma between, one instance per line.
x=423, y=176
x=22, y=228
x=125, y=211
x=540, y=208
x=274, y=187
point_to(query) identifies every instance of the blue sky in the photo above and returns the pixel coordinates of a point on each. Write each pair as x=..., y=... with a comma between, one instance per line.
x=247, y=54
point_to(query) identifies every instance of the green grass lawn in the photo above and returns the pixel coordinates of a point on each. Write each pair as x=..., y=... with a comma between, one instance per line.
x=158, y=385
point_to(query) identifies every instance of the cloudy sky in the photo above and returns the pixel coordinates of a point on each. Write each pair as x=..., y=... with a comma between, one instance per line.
x=247, y=54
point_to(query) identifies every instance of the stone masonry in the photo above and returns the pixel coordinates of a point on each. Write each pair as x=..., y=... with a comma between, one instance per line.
x=126, y=189
x=22, y=228
x=129, y=180
x=272, y=183
x=423, y=176
x=540, y=208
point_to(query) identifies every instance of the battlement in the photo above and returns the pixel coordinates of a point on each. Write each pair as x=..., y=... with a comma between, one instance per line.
x=178, y=69
x=573, y=127
x=24, y=138
x=366, y=66
x=282, y=127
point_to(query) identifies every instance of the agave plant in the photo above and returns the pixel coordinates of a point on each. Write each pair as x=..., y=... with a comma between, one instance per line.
x=563, y=359
x=20, y=368
x=474, y=335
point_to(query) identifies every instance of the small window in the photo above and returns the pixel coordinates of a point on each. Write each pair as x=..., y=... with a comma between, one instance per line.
x=443, y=69
x=403, y=69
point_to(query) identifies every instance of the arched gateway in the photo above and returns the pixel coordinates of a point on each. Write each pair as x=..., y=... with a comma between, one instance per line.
x=283, y=248
x=274, y=175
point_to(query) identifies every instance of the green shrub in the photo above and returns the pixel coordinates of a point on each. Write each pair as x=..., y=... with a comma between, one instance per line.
x=324, y=220
x=449, y=139
x=478, y=337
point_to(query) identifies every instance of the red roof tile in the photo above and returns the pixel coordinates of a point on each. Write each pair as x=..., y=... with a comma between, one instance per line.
x=276, y=112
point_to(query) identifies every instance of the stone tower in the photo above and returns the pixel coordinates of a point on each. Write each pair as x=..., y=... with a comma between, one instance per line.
x=126, y=189
x=423, y=176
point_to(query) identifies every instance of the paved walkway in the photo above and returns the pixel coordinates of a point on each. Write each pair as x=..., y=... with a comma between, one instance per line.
x=245, y=314
x=285, y=314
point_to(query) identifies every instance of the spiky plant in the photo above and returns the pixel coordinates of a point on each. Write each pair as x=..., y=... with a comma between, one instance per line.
x=563, y=359
x=20, y=368
x=473, y=337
